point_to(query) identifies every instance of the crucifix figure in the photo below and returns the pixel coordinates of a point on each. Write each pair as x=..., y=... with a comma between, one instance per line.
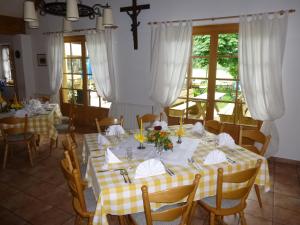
x=133, y=11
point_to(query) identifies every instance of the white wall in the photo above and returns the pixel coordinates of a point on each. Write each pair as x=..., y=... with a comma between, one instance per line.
x=133, y=66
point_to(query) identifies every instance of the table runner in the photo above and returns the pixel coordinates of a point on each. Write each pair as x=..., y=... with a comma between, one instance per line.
x=117, y=198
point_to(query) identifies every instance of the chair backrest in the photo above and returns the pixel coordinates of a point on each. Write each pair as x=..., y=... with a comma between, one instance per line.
x=108, y=121
x=169, y=196
x=246, y=178
x=14, y=125
x=148, y=118
x=70, y=147
x=254, y=136
x=74, y=181
x=213, y=126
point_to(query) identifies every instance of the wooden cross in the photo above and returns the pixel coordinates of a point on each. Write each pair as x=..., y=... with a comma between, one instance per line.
x=135, y=11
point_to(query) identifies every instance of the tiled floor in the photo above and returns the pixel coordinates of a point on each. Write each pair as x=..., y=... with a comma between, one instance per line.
x=38, y=195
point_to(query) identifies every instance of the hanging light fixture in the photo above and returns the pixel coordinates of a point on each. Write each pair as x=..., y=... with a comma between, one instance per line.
x=29, y=11
x=67, y=25
x=72, y=10
x=33, y=24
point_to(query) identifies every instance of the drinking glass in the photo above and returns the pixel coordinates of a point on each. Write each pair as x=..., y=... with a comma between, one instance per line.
x=129, y=153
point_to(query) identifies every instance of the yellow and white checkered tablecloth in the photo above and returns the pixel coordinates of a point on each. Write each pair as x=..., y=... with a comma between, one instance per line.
x=44, y=124
x=118, y=198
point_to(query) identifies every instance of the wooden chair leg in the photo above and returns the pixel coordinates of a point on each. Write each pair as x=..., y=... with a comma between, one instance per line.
x=38, y=140
x=211, y=219
x=242, y=216
x=78, y=220
x=122, y=220
x=29, y=153
x=90, y=221
x=72, y=134
x=52, y=141
x=256, y=187
x=189, y=220
x=56, y=142
x=5, y=156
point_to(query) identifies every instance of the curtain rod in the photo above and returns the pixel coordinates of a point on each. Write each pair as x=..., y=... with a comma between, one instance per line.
x=77, y=30
x=224, y=17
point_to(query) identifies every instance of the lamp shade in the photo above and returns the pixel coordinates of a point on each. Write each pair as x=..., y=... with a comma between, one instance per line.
x=99, y=23
x=67, y=25
x=33, y=24
x=108, y=19
x=72, y=10
x=29, y=11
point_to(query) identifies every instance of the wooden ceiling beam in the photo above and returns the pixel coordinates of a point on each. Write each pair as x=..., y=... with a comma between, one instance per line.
x=11, y=25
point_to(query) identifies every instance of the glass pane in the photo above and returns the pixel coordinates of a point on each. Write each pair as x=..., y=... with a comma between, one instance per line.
x=67, y=49
x=197, y=109
x=225, y=90
x=183, y=93
x=223, y=111
x=76, y=66
x=67, y=95
x=91, y=83
x=94, y=99
x=67, y=81
x=201, y=45
x=227, y=68
x=77, y=81
x=178, y=108
x=76, y=49
x=228, y=44
x=200, y=67
x=86, y=51
x=88, y=66
x=198, y=89
x=105, y=104
x=78, y=96
x=67, y=66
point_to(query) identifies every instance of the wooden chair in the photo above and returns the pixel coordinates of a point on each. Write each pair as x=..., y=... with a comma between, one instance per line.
x=70, y=147
x=108, y=121
x=67, y=128
x=247, y=139
x=148, y=118
x=84, y=202
x=234, y=201
x=15, y=131
x=170, y=214
x=213, y=126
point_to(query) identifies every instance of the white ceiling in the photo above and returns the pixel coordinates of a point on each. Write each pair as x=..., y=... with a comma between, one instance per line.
x=11, y=8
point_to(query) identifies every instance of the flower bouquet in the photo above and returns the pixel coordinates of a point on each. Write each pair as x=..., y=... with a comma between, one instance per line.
x=160, y=138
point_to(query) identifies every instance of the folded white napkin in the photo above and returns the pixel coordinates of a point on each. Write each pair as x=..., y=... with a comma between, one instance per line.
x=225, y=139
x=102, y=141
x=214, y=157
x=198, y=128
x=115, y=130
x=163, y=124
x=110, y=157
x=148, y=168
x=21, y=113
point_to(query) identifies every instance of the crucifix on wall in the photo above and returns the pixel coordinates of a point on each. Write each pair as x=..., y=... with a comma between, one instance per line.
x=133, y=11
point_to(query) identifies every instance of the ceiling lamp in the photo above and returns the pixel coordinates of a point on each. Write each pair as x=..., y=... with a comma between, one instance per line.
x=72, y=10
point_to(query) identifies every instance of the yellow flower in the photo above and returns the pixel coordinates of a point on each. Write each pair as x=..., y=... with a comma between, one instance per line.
x=140, y=138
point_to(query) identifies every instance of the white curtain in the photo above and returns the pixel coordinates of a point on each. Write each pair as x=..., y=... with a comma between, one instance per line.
x=261, y=48
x=100, y=52
x=55, y=47
x=170, y=51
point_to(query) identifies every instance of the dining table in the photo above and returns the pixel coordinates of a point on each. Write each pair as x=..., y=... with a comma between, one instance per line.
x=42, y=123
x=116, y=197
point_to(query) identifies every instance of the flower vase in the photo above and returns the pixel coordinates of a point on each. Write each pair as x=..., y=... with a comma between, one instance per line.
x=179, y=141
x=141, y=146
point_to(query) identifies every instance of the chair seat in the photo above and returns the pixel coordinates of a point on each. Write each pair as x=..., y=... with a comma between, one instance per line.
x=83, y=168
x=65, y=119
x=89, y=199
x=226, y=203
x=62, y=128
x=140, y=218
x=19, y=137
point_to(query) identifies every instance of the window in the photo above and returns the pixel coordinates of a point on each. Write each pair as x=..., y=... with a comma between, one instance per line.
x=5, y=67
x=212, y=87
x=78, y=85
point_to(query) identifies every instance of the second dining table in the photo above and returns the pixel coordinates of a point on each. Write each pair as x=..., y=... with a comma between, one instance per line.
x=116, y=197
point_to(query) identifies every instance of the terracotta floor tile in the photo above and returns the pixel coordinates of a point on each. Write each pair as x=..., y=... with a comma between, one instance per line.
x=40, y=189
x=253, y=220
x=8, y=218
x=266, y=212
x=287, y=202
x=287, y=189
x=267, y=197
x=51, y=217
x=14, y=202
x=285, y=216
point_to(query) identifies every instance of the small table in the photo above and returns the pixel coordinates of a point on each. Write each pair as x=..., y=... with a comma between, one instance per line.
x=118, y=198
